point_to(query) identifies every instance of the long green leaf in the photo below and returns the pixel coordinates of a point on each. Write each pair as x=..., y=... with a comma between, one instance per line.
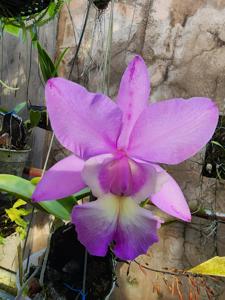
x=24, y=189
x=47, y=67
x=17, y=186
x=19, y=107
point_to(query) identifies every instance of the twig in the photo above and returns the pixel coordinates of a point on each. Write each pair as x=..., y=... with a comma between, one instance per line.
x=48, y=154
x=20, y=292
x=44, y=265
x=167, y=272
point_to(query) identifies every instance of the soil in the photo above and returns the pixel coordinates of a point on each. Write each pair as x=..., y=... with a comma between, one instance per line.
x=214, y=164
x=64, y=271
x=6, y=226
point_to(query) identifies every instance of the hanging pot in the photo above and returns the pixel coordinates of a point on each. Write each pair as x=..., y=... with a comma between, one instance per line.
x=13, y=161
x=22, y=8
x=101, y=4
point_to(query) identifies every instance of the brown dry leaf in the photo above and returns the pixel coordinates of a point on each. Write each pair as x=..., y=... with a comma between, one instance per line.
x=191, y=295
x=208, y=294
x=173, y=288
x=193, y=282
x=143, y=270
x=180, y=295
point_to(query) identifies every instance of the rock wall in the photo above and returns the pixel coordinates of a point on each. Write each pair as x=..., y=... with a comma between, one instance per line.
x=183, y=44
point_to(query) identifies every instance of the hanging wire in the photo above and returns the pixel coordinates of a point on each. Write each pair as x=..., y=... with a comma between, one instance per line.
x=107, y=62
x=81, y=37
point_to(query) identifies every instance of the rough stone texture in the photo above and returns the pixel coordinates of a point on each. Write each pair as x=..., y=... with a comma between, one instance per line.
x=183, y=44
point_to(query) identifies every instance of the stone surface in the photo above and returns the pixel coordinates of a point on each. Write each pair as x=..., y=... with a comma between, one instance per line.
x=183, y=44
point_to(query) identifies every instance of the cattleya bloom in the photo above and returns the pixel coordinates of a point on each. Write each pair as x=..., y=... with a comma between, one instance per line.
x=117, y=147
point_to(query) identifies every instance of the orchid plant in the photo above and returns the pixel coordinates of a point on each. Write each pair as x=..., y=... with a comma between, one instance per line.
x=117, y=148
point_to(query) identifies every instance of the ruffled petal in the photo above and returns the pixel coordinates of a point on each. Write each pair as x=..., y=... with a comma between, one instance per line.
x=170, y=199
x=62, y=180
x=121, y=176
x=115, y=219
x=136, y=230
x=85, y=123
x=96, y=223
x=133, y=96
x=173, y=130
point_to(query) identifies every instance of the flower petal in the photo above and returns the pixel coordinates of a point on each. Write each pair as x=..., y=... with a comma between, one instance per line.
x=155, y=179
x=136, y=230
x=119, y=219
x=170, y=199
x=121, y=176
x=91, y=172
x=133, y=96
x=96, y=223
x=62, y=180
x=85, y=123
x=173, y=130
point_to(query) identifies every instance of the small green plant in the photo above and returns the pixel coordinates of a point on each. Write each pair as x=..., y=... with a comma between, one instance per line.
x=16, y=214
x=2, y=240
x=15, y=22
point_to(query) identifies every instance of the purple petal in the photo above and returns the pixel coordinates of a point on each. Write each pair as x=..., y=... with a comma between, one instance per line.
x=118, y=219
x=173, y=130
x=121, y=176
x=155, y=179
x=85, y=123
x=170, y=199
x=62, y=180
x=91, y=172
x=96, y=223
x=133, y=96
x=136, y=230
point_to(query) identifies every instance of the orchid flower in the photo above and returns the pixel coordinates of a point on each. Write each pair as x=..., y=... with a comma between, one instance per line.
x=117, y=147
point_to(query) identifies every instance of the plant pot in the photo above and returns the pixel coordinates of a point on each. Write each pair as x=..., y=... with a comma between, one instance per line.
x=13, y=161
x=65, y=268
x=101, y=4
x=21, y=8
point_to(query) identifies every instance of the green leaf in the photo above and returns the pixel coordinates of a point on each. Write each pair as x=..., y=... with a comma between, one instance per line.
x=51, y=9
x=24, y=189
x=15, y=185
x=35, y=117
x=218, y=144
x=59, y=208
x=15, y=215
x=2, y=240
x=58, y=61
x=19, y=107
x=82, y=194
x=212, y=267
x=19, y=203
x=11, y=29
x=47, y=67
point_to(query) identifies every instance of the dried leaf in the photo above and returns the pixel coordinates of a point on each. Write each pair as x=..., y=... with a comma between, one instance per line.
x=178, y=289
x=214, y=267
x=190, y=295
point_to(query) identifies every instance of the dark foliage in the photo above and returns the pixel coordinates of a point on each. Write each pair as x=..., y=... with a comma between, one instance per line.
x=21, y=8
x=12, y=131
x=101, y=4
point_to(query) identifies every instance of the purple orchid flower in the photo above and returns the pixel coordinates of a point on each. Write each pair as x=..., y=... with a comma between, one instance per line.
x=116, y=149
